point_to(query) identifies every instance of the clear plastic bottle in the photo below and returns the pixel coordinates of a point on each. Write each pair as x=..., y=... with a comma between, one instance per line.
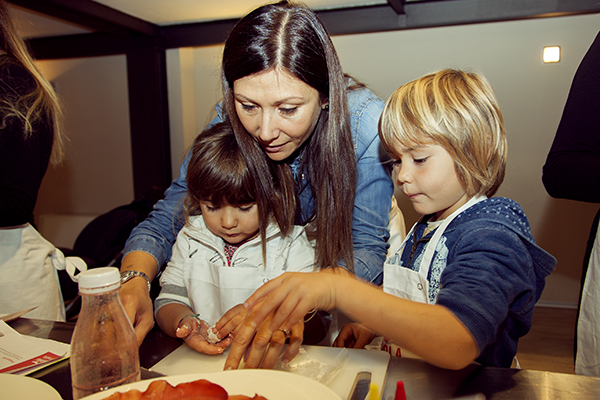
x=104, y=350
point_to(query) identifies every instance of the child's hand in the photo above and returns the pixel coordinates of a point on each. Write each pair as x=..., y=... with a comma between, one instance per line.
x=194, y=332
x=230, y=321
x=354, y=336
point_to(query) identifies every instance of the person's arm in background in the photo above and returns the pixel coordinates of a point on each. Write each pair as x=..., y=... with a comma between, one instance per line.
x=149, y=247
x=572, y=169
x=374, y=188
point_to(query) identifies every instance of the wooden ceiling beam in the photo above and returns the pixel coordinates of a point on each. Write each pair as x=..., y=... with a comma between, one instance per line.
x=92, y=15
x=397, y=6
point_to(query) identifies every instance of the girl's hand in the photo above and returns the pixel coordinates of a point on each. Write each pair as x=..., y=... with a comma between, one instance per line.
x=354, y=336
x=194, y=332
x=230, y=321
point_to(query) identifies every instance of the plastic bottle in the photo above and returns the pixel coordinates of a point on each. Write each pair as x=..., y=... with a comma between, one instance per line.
x=104, y=350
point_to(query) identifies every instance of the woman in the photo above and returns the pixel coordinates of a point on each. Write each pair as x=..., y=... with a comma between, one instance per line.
x=30, y=137
x=286, y=97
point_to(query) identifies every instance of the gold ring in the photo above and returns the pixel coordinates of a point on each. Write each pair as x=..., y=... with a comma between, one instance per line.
x=286, y=332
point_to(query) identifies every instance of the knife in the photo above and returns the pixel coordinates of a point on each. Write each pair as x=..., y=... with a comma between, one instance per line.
x=10, y=317
x=361, y=386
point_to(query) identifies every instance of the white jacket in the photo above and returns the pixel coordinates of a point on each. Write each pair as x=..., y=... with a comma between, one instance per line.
x=199, y=277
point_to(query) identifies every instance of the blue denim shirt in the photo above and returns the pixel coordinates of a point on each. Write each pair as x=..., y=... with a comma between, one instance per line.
x=372, y=204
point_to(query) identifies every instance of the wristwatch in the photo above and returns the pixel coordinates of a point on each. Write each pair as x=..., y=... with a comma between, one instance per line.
x=130, y=274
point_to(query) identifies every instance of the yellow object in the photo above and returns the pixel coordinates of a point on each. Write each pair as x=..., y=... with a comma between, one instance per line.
x=373, y=392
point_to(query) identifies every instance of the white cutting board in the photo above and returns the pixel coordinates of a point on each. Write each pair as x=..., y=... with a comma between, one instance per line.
x=186, y=361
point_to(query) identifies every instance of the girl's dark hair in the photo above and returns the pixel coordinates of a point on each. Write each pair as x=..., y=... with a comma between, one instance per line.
x=289, y=37
x=217, y=171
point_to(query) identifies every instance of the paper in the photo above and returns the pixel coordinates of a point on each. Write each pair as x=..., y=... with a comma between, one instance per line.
x=20, y=354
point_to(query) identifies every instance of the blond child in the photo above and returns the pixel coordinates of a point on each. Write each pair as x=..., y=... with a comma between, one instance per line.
x=463, y=285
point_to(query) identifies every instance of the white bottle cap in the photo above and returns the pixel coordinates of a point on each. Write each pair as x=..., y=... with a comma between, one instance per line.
x=99, y=280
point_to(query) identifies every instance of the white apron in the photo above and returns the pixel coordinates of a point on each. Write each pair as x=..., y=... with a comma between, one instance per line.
x=214, y=289
x=587, y=361
x=414, y=285
x=28, y=276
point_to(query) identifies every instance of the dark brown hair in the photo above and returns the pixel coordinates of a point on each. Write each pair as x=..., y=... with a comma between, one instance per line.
x=290, y=37
x=217, y=171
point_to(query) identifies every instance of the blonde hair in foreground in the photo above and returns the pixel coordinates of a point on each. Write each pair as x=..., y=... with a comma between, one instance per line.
x=458, y=111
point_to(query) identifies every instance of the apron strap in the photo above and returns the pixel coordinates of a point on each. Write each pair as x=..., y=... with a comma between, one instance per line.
x=70, y=264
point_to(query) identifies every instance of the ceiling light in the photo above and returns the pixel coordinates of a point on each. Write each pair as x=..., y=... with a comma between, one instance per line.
x=551, y=54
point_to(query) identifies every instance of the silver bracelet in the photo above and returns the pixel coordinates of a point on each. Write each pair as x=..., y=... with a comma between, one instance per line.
x=130, y=274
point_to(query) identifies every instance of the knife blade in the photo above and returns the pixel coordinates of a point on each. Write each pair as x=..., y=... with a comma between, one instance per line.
x=361, y=386
x=10, y=317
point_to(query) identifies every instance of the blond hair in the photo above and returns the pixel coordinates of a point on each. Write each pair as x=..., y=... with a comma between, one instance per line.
x=41, y=102
x=458, y=111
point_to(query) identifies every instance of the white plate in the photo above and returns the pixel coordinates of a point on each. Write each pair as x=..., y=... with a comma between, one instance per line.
x=17, y=387
x=274, y=385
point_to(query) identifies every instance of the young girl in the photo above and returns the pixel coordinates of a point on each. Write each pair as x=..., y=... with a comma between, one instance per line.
x=463, y=285
x=219, y=257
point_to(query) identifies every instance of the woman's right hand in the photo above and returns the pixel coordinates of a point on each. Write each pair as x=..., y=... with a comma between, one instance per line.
x=138, y=306
x=134, y=293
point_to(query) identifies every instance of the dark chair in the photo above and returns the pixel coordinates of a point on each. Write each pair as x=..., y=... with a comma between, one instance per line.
x=102, y=241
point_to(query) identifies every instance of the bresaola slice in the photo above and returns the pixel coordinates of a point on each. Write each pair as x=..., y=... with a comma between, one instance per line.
x=201, y=389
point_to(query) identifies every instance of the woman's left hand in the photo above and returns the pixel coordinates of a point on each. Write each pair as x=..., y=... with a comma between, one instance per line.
x=281, y=304
x=267, y=344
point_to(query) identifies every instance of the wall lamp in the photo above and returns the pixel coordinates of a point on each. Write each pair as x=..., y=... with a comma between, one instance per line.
x=551, y=54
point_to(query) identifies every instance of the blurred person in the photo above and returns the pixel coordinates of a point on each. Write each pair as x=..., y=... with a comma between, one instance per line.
x=572, y=171
x=31, y=136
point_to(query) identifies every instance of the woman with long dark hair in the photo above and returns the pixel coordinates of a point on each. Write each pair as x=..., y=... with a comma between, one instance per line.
x=287, y=98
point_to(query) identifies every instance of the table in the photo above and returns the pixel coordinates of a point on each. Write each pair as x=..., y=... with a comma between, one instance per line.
x=155, y=347
x=421, y=380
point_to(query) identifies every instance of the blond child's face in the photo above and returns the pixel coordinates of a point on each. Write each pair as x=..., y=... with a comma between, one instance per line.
x=427, y=176
x=232, y=224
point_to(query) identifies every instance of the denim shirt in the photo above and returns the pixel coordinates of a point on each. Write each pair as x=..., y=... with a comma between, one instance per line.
x=372, y=204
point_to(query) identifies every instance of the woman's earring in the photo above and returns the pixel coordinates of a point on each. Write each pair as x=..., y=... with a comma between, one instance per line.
x=326, y=107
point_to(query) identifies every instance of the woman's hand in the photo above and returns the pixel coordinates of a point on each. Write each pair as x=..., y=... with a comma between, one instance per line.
x=138, y=306
x=354, y=336
x=134, y=293
x=280, y=305
x=267, y=345
x=194, y=332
